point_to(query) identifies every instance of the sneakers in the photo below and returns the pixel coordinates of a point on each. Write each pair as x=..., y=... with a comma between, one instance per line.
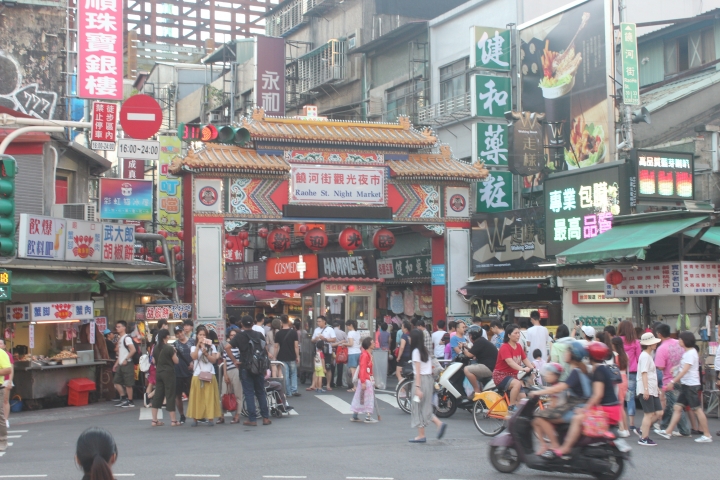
x=678, y=434
x=128, y=404
x=646, y=442
x=657, y=426
x=121, y=402
x=662, y=433
x=623, y=433
x=634, y=430
x=182, y=419
x=696, y=432
x=370, y=420
x=355, y=419
x=704, y=439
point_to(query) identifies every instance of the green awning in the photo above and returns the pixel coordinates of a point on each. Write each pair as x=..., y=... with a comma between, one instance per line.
x=135, y=281
x=711, y=236
x=625, y=242
x=24, y=281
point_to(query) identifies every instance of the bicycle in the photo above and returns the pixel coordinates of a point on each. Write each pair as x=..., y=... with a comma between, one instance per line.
x=490, y=420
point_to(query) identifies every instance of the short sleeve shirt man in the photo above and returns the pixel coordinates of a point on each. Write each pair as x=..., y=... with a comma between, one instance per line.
x=326, y=332
x=286, y=338
x=485, y=353
x=438, y=348
x=537, y=337
x=184, y=359
x=124, y=351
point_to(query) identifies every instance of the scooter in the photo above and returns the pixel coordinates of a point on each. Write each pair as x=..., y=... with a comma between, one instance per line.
x=450, y=389
x=604, y=458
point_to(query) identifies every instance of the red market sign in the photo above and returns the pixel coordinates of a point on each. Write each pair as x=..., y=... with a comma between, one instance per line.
x=286, y=268
x=100, y=49
x=104, y=131
x=133, y=169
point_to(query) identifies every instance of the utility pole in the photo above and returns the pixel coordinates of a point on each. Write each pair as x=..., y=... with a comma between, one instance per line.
x=627, y=143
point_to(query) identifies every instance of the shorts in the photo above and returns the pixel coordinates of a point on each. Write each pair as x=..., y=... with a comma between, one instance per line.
x=689, y=396
x=504, y=383
x=651, y=405
x=480, y=371
x=182, y=385
x=353, y=360
x=614, y=412
x=151, y=375
x=125, y=375
x=319, y=372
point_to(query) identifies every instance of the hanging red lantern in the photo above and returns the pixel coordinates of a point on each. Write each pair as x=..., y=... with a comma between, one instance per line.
x=302, y=228
x=246, y=243
x=262, y=232
x=228, y=244
x=285, y=229
x=148, y=258
x=316, y=239
x=243, y=235
x=278, y=240
x=176, y=248
x=614, y=278
x=384, y=240
x=159, y=250
x=139, y=230
x=178, y=257
x=181, y=235
x=161, y=259
x=163, y=233
x=350, y=240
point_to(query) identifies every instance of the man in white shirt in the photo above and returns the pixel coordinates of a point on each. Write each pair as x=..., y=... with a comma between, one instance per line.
x=477, y=326
x=438, y=345
x=259, y=322
x=537, y=336
x=326, y=334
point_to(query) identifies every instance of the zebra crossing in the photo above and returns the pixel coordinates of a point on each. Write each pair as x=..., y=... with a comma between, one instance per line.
x=15, y=435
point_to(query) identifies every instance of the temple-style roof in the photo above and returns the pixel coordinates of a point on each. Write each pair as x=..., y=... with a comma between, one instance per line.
x=441, y=165
x=335, y=132
x=230, y=158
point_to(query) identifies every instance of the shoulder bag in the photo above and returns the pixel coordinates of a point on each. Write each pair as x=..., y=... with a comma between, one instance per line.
x=229, y=401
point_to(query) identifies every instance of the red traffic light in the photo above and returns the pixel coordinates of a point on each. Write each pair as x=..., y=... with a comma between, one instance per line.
x=208, y=133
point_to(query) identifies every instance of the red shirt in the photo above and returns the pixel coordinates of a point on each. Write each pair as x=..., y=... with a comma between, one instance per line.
x=366, y=367
x=505, y=352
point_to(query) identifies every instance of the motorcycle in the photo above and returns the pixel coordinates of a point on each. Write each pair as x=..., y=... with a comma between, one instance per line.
x=450, y=389
x=604, y=458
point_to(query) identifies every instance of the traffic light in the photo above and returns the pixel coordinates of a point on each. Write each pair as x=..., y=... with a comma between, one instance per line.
x=8, y=170
x=209, y=133
x=233, y=135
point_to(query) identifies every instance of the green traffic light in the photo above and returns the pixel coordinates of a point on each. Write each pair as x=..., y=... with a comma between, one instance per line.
x=8, y=171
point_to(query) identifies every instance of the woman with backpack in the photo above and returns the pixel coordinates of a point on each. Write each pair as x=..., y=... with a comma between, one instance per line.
x=165, y=358
x=204, y=394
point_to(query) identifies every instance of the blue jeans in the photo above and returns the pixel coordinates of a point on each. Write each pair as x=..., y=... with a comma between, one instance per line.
x=684, y=423
x=632, y=378
x=254, y=387
x=290, y=372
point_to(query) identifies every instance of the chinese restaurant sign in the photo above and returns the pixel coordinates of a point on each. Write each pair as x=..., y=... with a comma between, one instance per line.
x=337, y=185
x=118, y=242
x=404, y=267
x=665, y=175
x=667, y=279
x=104, y=120
x=582, y=298
x=494, y=194
x=100, y=49
x=83, y=242
x=491, y=143
x=17, y=313
x=244, y=273
x=54, y=311
x=490, y=48
x=630, y=72
x=490, y=96
x=124, y=199
x=581, y=205
x=41, y=237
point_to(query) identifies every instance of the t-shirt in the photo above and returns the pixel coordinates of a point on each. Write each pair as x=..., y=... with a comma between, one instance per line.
x=692, y=377
x=485, y=353
x=326, y=332
x=454, y=343
x=406, y=349
x=184, y=358
x=336, y=303
x=241, y=341
x=579, y=384
x=646, y=364
x=667, y=358
x=537, y=337
x=438, y=348
x=110, y=345
x=4, y=363
x=425, y=367
x=229, y=364
x=354, y=349
x=259, y=329
x=340, y=335
x=498, y=340
x=384, y=340
x=505, y=352
x=163, y=359
x=203, y=364
x=602, y=373
x=124, y=351
x=633, y=352
x=286, y=338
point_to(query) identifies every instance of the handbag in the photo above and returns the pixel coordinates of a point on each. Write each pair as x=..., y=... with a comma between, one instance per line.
x=341, y=354
x=206, y=376
x=595, y=423
x=229, y=400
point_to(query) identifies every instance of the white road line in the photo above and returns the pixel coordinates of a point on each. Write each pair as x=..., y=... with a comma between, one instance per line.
x=10, y=444
x=17, y=431
x=2, y=453
x=123, y=474
x=390, y=399
x=23, y=476
x=337, y=403
x=146, y=414
x=14, y=436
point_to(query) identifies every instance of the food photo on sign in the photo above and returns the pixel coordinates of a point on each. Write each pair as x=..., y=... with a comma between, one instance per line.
x=664, y=175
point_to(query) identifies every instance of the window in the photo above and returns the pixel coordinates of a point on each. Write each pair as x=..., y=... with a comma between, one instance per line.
x=689, y=51
x=454, y=79
x=351, y=42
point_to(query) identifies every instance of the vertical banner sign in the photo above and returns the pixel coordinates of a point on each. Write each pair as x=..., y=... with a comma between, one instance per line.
x=490, y=48
x=630, y=70
x=491, y=143
x=31, y=335
x=270, y=74
x=494, y=194
x=104, y=121
x=490, y=96
x=133, y=169
x=92, y=332
x=100, y=49
x=169, y=193
x=526, y=137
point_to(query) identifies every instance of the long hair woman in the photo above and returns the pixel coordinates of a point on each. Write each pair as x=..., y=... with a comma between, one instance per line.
x=231, y=375
x=626, y=331
x=403, y=349
x=422, y=407
x=204, y=394
x=364, y=399
x=165, y=358
x=96, y=453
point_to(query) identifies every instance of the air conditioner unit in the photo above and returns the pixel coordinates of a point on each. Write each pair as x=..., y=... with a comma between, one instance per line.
x=77, y=211
x=214, y=117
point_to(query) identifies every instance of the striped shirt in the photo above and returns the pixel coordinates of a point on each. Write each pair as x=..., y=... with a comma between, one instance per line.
x=229, y=363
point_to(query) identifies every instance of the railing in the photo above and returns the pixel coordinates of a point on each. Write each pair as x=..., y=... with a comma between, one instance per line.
x=287, y=19
x=323, y=65
x=454, y=108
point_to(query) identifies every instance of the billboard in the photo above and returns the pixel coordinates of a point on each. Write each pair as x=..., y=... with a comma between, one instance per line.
x=512, y=240
x=100, y=49
x=270, y=75
x=169, y=190
x=566, y=66
x=581, y=204
x=125, y=199
x=664, y=175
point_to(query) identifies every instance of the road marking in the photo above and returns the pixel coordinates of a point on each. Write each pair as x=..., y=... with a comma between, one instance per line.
x=391, y=392
x=390, y=399
x=146, y=414
x=123, y=474
x=23, y=476
x=2, y=453
x=143, y=117
x=337, y=403
x=17, y=431
x=10, y=444
x=14, y=436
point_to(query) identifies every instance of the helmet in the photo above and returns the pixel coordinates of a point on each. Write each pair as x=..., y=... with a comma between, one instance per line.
x=553, y=367
x=598, y=351
x=577, y=351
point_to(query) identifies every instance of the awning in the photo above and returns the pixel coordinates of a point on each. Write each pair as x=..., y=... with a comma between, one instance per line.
x=52, y=282
x=711, y=236
x=135, y=281
x=247, y=298
x=284, y=286
x=498, y=290
x=625, y=242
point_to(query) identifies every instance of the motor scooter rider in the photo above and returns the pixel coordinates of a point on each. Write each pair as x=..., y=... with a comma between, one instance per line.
x=511, y=359
x=578, y=387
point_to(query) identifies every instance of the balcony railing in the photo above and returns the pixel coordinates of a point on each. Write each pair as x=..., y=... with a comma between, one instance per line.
x=287, y=19
x=321, y=66
x=451, y=109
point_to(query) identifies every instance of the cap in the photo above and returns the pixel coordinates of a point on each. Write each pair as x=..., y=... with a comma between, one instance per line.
x=177, y=328
x=588, y=331
x=649, y=339
x=106, y=331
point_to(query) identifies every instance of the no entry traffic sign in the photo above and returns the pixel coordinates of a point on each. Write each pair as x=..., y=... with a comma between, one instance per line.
x=140, y=116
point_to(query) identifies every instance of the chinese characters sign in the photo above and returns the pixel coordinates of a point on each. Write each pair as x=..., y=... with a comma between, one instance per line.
x=582, y=205
x=404, y=267
x=100, y=49
x=169, y=193
x=490, y=96
x=310, y=184
x=84, y=242
x=581, y=298
x=245, y=273
x=41, y=237
x=665, y=175
x=125, y=199
x=494, y=194
x=176, y=311
x=270, y=75
x=630, y=72
x=104, y=121
x=526, y=140
x=661, y=279
x=118, y=242
x=133, y=169
x=54, y=311
x=17, y=313
x=490, y=48
x=491, y=143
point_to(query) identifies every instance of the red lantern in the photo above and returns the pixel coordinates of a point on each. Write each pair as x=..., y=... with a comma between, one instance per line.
x=176, y=249
x=161, y=259
x=163, y=233
x=243, y=235
x=246, y=243
x=139, y=230
x=351, y=288
x=384, y=240
x=285, y=229
x=350, y=240
x=159, y=250
x=178, y=257
x=278, y=240
x=262, y=232
x=181, y=235
x=302, y=228
x=316, y=239
x=228, y=244
x=148, y=258
x=614, y=278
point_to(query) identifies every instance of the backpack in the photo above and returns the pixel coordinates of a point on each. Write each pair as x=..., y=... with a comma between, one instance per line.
x=258, y=361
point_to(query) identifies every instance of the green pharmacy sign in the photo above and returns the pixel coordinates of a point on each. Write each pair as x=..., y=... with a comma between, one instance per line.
x=490, y=96
x=490, y=48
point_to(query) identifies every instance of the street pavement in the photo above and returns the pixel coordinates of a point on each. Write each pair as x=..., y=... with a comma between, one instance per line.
x=319, y=442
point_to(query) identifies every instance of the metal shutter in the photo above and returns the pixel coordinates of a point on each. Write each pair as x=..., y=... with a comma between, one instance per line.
x=29, y=183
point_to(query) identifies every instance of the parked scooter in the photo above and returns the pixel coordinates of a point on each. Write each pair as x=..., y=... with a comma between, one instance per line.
x=603, y=458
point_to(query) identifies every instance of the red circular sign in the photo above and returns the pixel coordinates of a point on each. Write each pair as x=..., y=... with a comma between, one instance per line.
x=140, y=116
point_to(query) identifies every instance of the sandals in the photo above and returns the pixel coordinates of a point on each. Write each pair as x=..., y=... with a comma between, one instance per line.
x=235, y=419
x=157, y=423
x=220, y=421
x=351, y=390
x=175, y=424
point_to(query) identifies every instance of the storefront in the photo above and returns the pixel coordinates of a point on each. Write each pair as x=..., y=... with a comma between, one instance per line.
x=407, y=289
